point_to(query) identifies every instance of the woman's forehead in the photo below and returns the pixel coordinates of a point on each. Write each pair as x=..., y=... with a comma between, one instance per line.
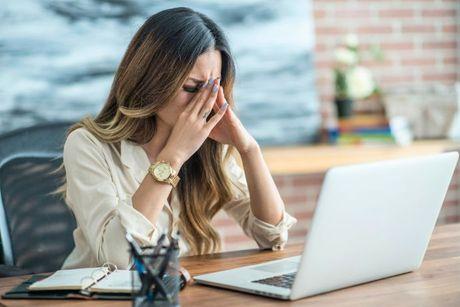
x=208, y=64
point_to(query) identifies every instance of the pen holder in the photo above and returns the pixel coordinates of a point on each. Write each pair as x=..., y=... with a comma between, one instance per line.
x=156, y=278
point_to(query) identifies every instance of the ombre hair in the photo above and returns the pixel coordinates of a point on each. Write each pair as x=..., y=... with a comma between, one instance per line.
x=158, y=60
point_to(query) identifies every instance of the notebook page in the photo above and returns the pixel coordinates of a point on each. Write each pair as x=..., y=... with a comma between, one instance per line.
x=118, y=281
x=73, y=279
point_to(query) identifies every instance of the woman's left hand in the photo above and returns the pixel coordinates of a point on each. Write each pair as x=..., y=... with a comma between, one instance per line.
x=230, y=130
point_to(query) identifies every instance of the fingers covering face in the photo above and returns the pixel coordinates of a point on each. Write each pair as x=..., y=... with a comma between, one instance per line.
x=217, y=117
x=202, y=92
x=210, y=101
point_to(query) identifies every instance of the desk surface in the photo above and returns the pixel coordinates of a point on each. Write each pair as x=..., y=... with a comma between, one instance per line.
x=436, y=283
x=319, y=158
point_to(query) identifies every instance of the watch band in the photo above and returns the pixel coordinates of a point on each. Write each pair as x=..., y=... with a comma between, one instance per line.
x=174, y=180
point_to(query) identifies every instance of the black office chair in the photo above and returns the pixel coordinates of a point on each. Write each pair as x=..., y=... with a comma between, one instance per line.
x=35, y=225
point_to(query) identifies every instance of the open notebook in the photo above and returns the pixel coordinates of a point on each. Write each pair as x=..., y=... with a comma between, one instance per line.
x=105, y=279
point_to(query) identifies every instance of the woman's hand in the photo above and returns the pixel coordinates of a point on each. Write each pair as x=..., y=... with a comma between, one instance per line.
x=230, y=130
x=191, y=128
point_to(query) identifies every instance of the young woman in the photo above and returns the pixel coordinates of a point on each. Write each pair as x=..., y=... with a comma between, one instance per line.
x=160, y=154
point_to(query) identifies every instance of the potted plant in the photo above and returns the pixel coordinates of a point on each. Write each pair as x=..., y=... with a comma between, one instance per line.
x=352, y=80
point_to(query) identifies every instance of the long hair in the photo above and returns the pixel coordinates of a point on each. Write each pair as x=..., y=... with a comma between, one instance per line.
x=159, y=58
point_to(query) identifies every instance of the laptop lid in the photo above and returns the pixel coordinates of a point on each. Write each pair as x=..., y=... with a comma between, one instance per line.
x=372, y=221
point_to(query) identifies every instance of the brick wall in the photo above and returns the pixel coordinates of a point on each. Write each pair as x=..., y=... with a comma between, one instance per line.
x=420, y=39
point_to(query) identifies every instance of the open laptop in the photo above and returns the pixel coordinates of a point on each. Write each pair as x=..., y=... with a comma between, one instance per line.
x=372, y=221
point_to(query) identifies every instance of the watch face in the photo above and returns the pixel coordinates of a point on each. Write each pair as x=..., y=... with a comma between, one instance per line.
x=162, y=171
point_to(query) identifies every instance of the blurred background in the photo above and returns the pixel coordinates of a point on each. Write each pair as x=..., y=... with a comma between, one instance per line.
x=319, y=82
x=59, y=57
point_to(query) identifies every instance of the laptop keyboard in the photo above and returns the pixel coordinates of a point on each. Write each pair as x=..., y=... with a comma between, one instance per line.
x=283, y=281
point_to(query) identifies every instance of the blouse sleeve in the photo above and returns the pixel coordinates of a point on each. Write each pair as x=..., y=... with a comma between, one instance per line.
x=102, y=216
x=265, y=234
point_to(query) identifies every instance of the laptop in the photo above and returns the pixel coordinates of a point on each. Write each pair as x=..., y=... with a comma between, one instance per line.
x=372, y=221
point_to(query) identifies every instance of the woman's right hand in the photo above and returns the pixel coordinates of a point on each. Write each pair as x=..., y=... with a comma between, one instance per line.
x=191, y=128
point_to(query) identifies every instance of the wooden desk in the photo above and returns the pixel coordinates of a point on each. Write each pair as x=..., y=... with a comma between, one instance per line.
x=436, y=283
x=319, y=158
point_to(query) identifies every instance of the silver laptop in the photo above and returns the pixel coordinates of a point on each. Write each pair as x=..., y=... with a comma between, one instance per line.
x=372, y=221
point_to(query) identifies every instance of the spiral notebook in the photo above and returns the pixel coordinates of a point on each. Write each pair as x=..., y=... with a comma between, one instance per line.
x=105, y=279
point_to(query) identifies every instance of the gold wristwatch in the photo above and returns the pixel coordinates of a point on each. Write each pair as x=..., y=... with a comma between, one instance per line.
x=162, y=171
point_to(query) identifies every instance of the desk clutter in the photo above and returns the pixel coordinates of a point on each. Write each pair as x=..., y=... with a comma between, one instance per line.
x=87, y=283
x=155, y=279
x=161, y=277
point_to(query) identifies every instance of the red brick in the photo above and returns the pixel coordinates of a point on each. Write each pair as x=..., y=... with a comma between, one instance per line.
x=440, y=77
x=451, y=196
x=294, y=209
x=280, y=181
x=300, y=233
x=396, y=78
x=290, y=199
x=237, y=238
x=378, y=64
x=327, y=30
x=396, y=13
x=322, y=47
x=452, y=219
x=450, y=203
x=352, y=13
x=222, y=223
x=324, y=64
x=307, y=180
x=374, y=29
x=450, y=61
x=421, y=28
x=438, y=13
x=306, y=215
x=397, y=45
x=294, y=192
x=418, y=61
x=440, y=45
x=450, y=29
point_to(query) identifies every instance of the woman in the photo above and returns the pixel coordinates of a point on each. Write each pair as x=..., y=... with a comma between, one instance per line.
x=160, y=154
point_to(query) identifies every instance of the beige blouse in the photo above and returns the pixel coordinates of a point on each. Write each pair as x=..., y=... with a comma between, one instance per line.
x=100, y=183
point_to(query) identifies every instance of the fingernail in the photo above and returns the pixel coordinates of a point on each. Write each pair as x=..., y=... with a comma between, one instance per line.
x=211, y=80
x=224, y=106
x=215, y=87
x=218, y=81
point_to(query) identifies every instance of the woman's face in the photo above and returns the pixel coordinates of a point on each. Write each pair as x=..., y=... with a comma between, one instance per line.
x=208, y=65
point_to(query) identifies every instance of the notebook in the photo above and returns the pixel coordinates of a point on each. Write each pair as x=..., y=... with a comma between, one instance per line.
x=105, y=279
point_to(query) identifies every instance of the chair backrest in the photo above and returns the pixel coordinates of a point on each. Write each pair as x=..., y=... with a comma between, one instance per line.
x=35, y=225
